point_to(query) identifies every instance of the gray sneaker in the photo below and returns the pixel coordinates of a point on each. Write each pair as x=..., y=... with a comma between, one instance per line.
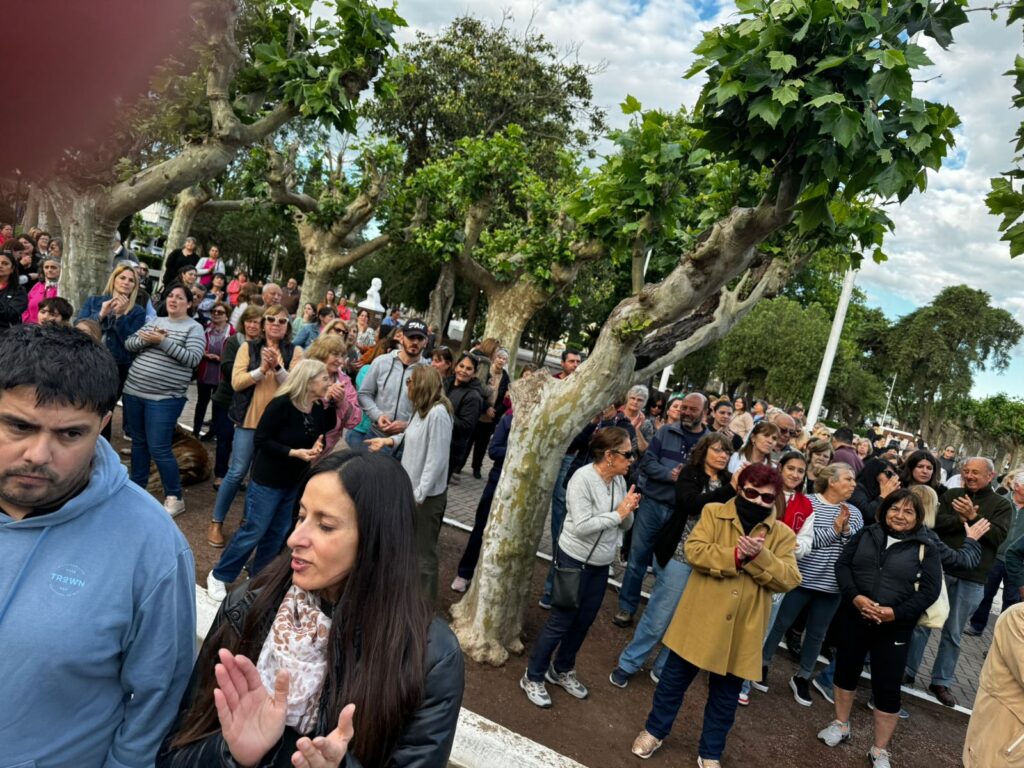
x=879, y=758
x=535, y=692
x=568, y=681
x=834, y=733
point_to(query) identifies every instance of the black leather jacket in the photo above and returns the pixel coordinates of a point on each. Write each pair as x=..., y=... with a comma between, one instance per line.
x=426, y=741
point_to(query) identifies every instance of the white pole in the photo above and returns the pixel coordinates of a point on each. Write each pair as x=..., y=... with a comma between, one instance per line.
x=831, y=347
x=888, y=398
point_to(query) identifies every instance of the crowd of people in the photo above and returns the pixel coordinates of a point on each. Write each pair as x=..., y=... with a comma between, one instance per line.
x=749, y=528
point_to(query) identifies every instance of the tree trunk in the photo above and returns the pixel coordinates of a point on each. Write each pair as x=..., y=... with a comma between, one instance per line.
x=32, y=209
x=87, y=243
x=441, y=298
x=48, y=219
x=509, y=309
x=471, y=313
x=689, y=309
x=190, y=201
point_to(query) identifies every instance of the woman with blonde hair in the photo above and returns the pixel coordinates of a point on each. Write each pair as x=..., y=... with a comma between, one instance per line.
x=819, y=456
x=289, y=437
x=425, y=459
x=331, y=349
x=119, y=317
x=758, y=447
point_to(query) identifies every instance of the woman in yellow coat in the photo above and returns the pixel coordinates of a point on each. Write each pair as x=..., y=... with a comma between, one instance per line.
x=995, y=735
x=741, y=553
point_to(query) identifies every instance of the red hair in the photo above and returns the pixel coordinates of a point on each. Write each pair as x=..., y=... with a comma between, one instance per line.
x=761, y=475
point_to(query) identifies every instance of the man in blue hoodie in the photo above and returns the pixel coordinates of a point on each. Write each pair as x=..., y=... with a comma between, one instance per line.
x=97, y=584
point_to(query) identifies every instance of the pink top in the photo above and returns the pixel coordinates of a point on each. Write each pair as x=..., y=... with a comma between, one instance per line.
x=348, y=410
x=39, y=292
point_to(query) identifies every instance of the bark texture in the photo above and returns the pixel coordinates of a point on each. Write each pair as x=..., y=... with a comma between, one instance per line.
x=189, y=202
x=442, y=296
x=88, y=239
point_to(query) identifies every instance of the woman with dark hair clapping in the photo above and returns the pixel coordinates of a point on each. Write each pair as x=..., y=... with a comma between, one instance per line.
x=330, y=656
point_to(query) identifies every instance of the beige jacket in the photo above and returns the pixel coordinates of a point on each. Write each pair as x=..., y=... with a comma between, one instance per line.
x=995, y=735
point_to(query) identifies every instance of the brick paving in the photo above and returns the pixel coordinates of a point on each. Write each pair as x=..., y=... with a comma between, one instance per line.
x=462, y=501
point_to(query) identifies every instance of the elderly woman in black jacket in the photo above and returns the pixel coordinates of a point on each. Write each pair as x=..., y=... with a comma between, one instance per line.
x=876, y=481
x=467, y=398
x=704, y=480
x=888, y=574
x=330, y=656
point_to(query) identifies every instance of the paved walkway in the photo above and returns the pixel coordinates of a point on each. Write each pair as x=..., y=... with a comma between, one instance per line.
x=462, y=501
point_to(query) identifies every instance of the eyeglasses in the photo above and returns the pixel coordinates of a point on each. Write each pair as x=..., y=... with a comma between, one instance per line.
x=787, y=432
x=276, y=320
x=753, y=493
x=625, y=454
x=889, y=472
x=218, y=312
x=338, y=329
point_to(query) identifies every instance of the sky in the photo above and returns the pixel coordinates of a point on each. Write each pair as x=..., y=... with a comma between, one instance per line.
x=943, y=236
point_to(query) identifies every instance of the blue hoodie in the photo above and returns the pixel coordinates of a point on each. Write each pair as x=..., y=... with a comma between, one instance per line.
x=97, y=626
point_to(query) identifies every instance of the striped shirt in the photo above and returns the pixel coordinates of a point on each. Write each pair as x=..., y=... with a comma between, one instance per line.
x=818, y=567
x=162, y=371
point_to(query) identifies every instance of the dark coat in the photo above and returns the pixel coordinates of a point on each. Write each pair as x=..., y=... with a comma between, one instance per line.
x=467, y=405
x=691, y=495
x=13, y=303
x=889, y=575
x=425, y=742
x=950, y=528
x=116, y=329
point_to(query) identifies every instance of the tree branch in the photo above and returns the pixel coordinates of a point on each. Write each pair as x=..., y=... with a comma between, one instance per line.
x=468, y=268
x=361, y=251
x=280, y=174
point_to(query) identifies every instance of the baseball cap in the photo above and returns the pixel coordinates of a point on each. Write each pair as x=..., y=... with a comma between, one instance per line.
x=415, y=327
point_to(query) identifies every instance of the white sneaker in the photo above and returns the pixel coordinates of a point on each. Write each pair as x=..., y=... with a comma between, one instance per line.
x=834, y=733
x=535, y=692
x=568, y=681
x=174, y=506
x=460, y=584
x=216, y=588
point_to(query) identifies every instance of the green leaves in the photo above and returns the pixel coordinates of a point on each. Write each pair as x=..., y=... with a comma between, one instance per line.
x=767, y=109
x=781, y=61
x=1007, y=201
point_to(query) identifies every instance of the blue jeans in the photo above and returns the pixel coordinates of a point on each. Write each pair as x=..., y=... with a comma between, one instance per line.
x=566, y=630
x=354, y=440
x=648, y=521
x=242, y=449
x=964, y=598
x=268, y=518
x=557, y=518
x=719, y=712
x=224, y=429
x=669, y=584
x=996, y=577
x=151, y=425
x=821, y=607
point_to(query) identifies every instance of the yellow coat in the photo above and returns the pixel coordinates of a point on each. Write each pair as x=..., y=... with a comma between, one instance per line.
x=995, y=735
x=722, y=618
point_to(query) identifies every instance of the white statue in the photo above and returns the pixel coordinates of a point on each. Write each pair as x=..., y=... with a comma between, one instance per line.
x=372, y=300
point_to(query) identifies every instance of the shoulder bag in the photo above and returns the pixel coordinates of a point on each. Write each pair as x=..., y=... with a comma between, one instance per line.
x=938, y=611
x=565, y=591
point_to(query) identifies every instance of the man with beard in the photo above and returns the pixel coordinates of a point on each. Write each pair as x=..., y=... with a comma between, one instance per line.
x=383, y=395
x=659, y=470
x=97, y=584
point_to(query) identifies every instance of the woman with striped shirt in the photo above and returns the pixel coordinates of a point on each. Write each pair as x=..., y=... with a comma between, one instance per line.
x=167, y=350
x=834, y=523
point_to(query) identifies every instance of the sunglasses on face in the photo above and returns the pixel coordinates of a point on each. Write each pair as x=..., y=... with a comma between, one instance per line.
x=626, y=454
x=337, y=329
x=753, y=493
x=276, y=320
x=889, y=473
x=218, y=312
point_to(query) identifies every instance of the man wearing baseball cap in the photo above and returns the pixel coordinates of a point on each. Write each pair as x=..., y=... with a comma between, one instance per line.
x=383, y=395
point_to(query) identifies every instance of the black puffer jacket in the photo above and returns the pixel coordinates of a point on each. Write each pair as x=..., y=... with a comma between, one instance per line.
x=426, y=741
x=889, y=575
x=467, y=405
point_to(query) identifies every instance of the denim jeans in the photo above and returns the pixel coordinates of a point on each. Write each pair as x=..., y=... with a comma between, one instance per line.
x=669, y=584
x=224, y=429
x=996, y=577
x=964, y=598
x=242, y=449
x=354, y=439
x=821, y=607
x=557, y=518
x=268, y=518
x=719, y=712
x=650, y=518
x=565, y=631
x=151, y=425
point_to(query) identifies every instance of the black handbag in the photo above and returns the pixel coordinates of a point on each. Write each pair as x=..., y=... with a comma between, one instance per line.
x=565, y=590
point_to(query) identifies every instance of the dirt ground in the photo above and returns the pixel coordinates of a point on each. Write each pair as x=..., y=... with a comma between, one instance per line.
x=597, y=732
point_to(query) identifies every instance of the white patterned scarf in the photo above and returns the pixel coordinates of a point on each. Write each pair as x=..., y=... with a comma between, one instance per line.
x=297, y=643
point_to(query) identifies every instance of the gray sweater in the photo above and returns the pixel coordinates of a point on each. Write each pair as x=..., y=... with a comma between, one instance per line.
x=425, y=456
x=163, y=370
x=384, y=391
x=591, y=517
